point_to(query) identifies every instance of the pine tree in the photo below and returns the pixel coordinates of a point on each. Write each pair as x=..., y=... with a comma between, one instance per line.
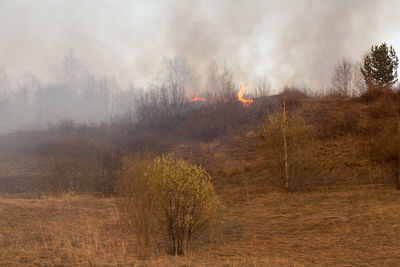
x=380, y=66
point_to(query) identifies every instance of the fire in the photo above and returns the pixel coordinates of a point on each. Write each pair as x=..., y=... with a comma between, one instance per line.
x=197, y=98
x=246, y=102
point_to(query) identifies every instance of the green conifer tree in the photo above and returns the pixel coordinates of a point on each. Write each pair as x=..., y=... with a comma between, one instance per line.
x=380, y=66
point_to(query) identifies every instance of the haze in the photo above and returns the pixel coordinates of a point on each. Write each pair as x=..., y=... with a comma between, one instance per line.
x=292, y=42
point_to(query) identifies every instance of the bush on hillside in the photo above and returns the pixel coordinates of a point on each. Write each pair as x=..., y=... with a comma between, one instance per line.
x=385, y=148
x=80, y=165
x=330, y=124
x=168, y=201
x=295, y=168
x=293, y=97
x=376, y=91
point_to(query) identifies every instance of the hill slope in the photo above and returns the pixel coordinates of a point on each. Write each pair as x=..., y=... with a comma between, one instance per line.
x=350, y=217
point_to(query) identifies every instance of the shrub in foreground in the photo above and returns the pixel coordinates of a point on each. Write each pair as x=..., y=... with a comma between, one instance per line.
x=168, y=201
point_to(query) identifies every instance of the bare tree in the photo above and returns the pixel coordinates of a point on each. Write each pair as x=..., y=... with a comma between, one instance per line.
x=172, y=82
x=212, y=80
x=220, y=83
x=24, y=97
x=262, y=87
x=4, y=101
x=108, y=90
x=358, y=83
x=4, y=84
x=165, y=98
x=71, y=71
x=342, y=78
x=228, y=88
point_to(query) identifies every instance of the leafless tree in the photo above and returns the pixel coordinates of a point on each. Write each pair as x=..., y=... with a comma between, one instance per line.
x=220, y=83
x=347, y=79
x=262, y=87
x=71, y=72
x=4, y=100
x=228, y=88
x=107, y=92
x=166, y=96
x=212, y=80
x=172, y=82
x=358, y=83
x=342, y=78
x=24, y=96
x=4, y=84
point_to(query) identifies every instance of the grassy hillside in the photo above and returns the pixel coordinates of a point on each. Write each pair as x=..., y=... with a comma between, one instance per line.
x=348, y=214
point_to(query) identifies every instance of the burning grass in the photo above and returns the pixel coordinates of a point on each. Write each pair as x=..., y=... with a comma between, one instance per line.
x=244, y=101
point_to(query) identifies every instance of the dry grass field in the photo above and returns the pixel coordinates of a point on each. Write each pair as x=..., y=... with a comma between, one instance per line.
x=358, y=227
x=350, y=218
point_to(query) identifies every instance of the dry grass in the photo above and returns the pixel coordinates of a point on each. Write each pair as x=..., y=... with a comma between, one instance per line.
x=68, y=231
x=340, y=228
x=357, y=227
x=349, y=217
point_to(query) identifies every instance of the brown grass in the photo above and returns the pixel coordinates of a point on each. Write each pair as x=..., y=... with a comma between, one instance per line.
x=355, y=227
x=66, y=231
x=350, y=216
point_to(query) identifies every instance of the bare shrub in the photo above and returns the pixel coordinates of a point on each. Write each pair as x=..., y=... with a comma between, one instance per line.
x=111, y=164
x=169, y=202
x=391, y=151
x=375, y=91
x=60, y=175
x=141, y=139
x=384, y=148
x=81, y=165
x=293, y=97
x=331, y=123
x=223, y=119
x=70, y=168
x=261, y=90
x=385, y=109
x=289, y=147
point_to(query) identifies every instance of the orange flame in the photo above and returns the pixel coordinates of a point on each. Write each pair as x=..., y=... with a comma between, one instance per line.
x=197, y=98
x=246, y=102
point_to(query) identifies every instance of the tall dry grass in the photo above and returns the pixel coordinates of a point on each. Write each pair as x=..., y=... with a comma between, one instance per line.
x=344, y=227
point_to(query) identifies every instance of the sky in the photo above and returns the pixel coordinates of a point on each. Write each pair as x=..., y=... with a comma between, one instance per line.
x=291, y=42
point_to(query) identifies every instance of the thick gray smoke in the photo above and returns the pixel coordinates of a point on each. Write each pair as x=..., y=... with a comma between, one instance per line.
x=123, y=42
x=290, y=41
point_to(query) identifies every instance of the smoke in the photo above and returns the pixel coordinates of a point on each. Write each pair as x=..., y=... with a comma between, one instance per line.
x=319, y=34
x=289, y=41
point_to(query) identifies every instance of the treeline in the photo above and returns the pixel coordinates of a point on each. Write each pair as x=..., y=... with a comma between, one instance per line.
x=168, y=106
x=72, y=93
